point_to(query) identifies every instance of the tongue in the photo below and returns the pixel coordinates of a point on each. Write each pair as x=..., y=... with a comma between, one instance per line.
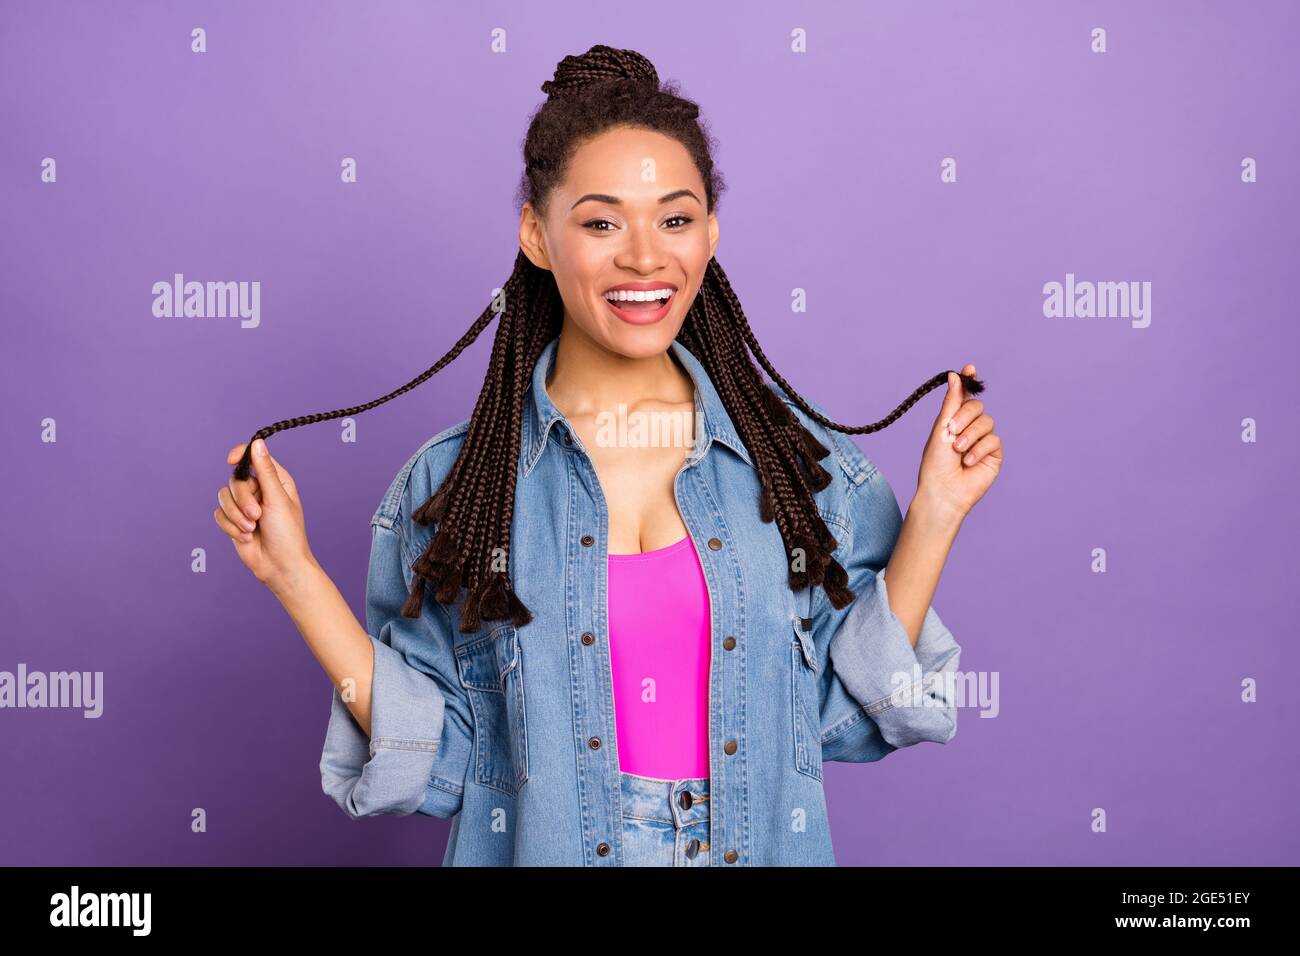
x=649, y=305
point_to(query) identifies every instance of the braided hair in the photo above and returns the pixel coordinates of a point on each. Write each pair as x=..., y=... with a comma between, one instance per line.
x=474, y=506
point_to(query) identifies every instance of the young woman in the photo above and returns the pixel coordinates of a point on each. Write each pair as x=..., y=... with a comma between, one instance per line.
x=632, y=650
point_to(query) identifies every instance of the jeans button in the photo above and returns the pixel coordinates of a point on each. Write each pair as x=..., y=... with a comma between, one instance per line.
x=685, y=800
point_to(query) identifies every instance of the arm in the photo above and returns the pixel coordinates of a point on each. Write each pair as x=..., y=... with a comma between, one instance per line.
x=873, y=657
x=875, y=649
x=333, y=634
x=400, y=733
x=918, y=559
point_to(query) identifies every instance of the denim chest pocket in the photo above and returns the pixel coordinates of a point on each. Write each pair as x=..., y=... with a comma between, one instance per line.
x=492, y=673
x=805, y=713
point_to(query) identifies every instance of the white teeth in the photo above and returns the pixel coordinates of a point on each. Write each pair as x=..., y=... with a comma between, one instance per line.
x=623, y=295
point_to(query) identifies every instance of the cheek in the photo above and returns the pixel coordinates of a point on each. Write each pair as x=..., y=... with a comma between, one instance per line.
x=695, y=259
x=581, y=305
x=577, y=278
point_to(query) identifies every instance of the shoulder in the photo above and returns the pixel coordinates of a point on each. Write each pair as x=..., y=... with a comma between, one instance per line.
x=854, y=467
x=421, y=476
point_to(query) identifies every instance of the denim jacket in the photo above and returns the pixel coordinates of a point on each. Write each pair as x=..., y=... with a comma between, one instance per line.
x=510, y=732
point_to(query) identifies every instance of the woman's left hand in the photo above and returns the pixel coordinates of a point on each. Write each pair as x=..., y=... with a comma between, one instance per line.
x=962, y=456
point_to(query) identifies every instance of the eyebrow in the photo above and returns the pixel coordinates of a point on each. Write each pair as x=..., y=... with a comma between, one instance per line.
x=615, y=201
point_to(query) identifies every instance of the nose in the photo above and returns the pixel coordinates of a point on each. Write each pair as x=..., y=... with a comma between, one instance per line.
x=643, y=251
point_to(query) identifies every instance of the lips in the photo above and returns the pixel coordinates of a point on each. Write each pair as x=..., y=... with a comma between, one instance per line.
x=641, y=313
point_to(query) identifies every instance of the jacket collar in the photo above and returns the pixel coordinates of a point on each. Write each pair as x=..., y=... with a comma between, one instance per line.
x=712, y=423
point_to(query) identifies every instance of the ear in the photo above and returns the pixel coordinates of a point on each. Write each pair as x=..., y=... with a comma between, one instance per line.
x=713, y=233
x=532, y=237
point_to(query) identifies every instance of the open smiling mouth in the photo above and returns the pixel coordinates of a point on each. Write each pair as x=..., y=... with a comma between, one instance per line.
x=642, y=308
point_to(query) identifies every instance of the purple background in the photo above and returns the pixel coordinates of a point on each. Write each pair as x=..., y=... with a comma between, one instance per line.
x=1117, y=690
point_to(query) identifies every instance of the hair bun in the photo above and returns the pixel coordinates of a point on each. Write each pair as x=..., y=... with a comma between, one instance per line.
x=600, y=64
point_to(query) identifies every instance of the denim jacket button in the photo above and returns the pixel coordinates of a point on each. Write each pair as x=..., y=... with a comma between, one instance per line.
x=588, y=637
x=685, y=800
x=729, y=747
x=728, y=643
x=715, y=544
x=602, y=849
x=594, y=743
x=587, y=540
x=731, y=856
x=692, y=848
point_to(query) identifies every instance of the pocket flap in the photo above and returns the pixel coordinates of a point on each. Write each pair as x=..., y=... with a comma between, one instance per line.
x=805, y=643
x=485, y=661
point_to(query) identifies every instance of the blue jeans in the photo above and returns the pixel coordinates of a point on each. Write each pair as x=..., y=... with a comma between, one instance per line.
x=665, y=822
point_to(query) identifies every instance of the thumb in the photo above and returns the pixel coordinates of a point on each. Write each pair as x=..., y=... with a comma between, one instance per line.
x=952, y=400
x=268, y=478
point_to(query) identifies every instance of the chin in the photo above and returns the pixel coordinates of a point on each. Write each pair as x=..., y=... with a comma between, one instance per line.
x=643, y=341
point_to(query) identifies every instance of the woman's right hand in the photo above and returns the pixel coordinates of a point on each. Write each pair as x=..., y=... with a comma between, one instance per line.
x=263, y=516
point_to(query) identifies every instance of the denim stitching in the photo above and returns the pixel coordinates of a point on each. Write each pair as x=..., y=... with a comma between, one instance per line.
x=403, y=743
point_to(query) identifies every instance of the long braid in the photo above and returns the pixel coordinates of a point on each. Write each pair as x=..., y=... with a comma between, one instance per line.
x=473, y=508
x=461, y=553
x=242, y=468
x=491, y=436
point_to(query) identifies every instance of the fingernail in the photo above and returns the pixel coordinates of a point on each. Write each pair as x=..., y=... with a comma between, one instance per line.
x=961, y=443
x=970, y=459
x=259, y=447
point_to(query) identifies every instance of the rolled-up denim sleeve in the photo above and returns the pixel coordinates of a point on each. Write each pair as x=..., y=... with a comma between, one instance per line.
x=415, y=758
x=908, y=693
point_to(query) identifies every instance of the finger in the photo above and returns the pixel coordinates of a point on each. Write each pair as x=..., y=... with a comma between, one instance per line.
x=223, y=522
x=981, y=449
x=273, y=493
x=286, y=479
x=967, y=413
x=233, y=511
x=973, y=432
x=951, y=401
x=247, y=495
x=236, y=453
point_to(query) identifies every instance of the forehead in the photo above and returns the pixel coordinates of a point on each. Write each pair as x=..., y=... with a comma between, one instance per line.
x=632, y=164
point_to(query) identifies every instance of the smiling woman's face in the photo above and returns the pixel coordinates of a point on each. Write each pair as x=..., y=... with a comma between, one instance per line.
x=629, y=212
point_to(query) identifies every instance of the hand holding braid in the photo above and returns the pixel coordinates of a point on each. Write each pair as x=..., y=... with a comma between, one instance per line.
x=264, y=517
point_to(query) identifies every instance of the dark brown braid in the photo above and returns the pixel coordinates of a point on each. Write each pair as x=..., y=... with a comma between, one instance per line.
x=473, y=508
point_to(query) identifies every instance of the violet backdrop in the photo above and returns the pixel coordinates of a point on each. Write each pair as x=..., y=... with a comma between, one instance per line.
x=1119, y=690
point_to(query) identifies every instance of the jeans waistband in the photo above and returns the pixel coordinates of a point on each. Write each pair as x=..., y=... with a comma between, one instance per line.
x=679, y=802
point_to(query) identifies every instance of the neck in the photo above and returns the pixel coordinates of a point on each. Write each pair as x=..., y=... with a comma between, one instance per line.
x=588, y=378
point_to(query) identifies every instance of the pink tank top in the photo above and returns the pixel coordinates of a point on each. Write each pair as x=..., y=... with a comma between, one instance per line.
x=659, y=639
